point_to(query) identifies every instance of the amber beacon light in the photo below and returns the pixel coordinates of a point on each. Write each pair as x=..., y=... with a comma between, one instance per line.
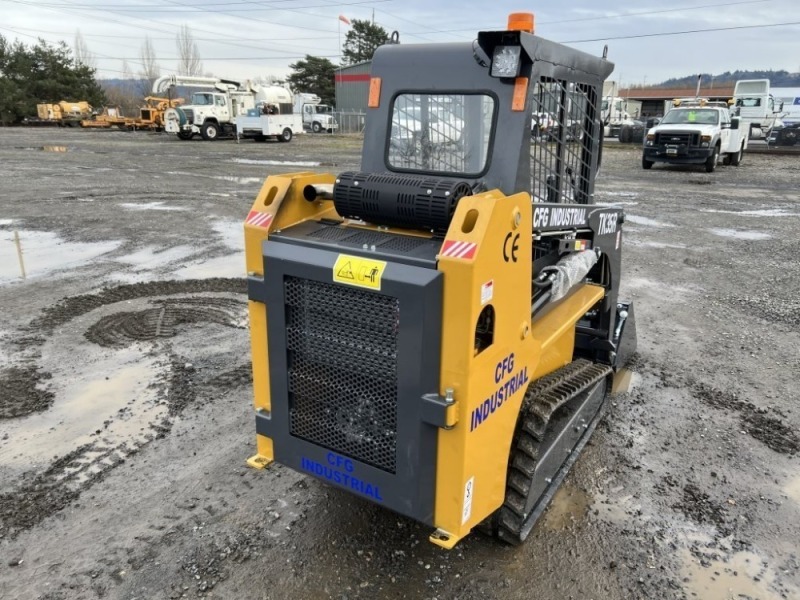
x=521, y=22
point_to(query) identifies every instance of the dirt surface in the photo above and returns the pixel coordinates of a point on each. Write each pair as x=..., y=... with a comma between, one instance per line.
x=125, y=395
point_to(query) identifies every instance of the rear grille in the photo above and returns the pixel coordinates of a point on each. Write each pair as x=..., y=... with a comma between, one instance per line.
x=342, y=357
x=358, y=237
x=677, y=138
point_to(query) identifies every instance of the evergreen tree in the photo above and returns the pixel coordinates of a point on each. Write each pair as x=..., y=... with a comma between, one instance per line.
x=314, y=75
x=363, y=38
x=42, y=73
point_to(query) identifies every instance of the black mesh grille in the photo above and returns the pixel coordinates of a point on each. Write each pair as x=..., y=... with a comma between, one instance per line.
x=342, y=356
x=565, y=132
x=401, y=243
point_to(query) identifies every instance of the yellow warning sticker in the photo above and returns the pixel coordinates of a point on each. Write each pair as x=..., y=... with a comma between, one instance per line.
x=355, y=270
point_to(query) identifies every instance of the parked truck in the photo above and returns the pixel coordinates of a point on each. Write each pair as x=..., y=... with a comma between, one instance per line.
x=619, y=112
x=697, y=132
x=272, y=117
x=317, y=117
x=787, y=132
x=757, y=107
x=210, y=113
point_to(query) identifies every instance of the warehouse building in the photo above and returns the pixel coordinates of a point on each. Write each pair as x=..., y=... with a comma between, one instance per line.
x=654, y=100
x=352, y=90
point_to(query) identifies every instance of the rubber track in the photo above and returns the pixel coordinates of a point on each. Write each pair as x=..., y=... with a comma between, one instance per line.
x=542, y=399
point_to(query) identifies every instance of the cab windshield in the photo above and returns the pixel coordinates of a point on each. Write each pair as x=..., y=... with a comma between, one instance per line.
x=322, y=109
x=441, y=133
x=201, y=99
x=690, y=116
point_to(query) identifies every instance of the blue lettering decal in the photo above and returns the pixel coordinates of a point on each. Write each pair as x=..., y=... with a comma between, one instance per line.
x=509, y=388
x=339, y=477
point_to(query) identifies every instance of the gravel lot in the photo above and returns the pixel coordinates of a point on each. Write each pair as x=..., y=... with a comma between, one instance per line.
x=125, y=397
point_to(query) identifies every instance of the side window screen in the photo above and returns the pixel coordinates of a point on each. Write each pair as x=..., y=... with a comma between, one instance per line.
x=440, y=133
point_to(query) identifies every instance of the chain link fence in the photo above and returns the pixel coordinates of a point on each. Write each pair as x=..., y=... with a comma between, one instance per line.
x=350, y=122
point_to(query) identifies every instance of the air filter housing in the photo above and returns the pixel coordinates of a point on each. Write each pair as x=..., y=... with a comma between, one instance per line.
x=414, y=202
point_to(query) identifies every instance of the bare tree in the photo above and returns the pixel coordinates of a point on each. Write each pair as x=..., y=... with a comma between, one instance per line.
x=82, y=54
x=190, y=63
x=150, y=67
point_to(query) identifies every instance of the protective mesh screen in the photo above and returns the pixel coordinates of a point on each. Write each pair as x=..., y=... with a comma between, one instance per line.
x=440, y=133
x=342, y=356
x=565, y=133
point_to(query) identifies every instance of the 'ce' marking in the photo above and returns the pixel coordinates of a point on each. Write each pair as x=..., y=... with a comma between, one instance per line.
x=512, y=255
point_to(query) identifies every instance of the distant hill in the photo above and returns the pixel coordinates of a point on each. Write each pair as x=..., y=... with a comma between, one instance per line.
x=120, y=83
x=776, y=78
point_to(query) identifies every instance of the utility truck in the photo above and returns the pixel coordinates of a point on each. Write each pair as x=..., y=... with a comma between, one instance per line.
x=317, y=117
x=696, y=132
x=618, y=112
x=787, y=132
x=211, y=113
x=271, y=118
x=757, y=106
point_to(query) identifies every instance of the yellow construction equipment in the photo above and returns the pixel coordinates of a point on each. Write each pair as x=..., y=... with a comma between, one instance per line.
x=110, y=116
x=438, y=331
x=64, y=114
x=151, y=115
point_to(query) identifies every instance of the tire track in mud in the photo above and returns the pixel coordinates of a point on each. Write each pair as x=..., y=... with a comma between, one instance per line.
x=756, y=421
x=43, y=494
x=764, y=424
x=162, y=320
x=23, y=391
x=40, y=495
x=75, y=306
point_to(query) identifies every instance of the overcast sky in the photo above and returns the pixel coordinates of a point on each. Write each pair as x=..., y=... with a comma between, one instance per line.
x=249, y=38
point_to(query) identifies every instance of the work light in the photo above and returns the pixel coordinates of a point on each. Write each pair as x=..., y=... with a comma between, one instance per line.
x=505, y=62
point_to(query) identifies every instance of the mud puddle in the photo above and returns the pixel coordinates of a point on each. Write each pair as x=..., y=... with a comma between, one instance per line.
x=743, y=575
x=231, y=232
x=792, y=490
x=230, y=178
x=150, y=206
x=569, y=506
x=277, y=163
x=740, y=234
x=232, y=265
x=638, y=220
x=151, y=258
x=105, y=393
x=652, y=244
x=765, y=212
x=44, y=252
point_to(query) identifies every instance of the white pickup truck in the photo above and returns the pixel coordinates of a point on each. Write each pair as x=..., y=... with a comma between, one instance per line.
x=698, y=132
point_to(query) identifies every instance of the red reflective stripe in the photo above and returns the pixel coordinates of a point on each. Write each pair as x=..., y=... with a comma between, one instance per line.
x=456, y=249
x=258, y=219
x=351, y=78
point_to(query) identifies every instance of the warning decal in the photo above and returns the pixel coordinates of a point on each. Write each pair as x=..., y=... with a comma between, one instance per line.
x=355, y=270
x=258, y=219
x=455, y=249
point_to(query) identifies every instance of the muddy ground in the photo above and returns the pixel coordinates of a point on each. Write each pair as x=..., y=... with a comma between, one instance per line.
x=125, y=396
